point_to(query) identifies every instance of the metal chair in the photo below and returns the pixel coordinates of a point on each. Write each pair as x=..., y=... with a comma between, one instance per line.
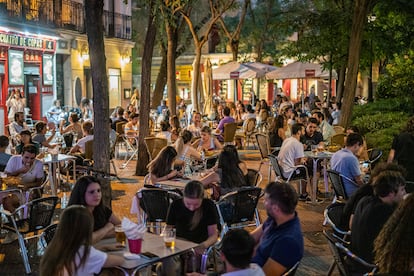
x=374, y=156
x=274, y=160
x=238, y=209
x=292, y=270
x=254, y=177
x=347, y=262
x=154, y=145
x=337, y=180
x=41, y=212
x=264, y=148
x=229, y=132
x=409, y=186
x=248, y=132
x=338, y=139
x=334, y=217
x=339, y=129
x=155, y=203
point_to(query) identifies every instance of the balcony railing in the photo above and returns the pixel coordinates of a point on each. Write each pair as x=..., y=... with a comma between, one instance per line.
x=64, y=14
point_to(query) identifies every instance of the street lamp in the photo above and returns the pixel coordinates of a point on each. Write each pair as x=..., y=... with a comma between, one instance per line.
x=371, y=19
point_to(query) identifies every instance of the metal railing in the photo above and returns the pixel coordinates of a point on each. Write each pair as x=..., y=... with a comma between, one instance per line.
x=66, y=14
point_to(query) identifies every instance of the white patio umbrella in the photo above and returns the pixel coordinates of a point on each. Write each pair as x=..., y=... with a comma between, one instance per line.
x=299, y=70
x=236, y=70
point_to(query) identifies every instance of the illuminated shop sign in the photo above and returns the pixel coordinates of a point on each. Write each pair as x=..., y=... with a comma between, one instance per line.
x=17, y=40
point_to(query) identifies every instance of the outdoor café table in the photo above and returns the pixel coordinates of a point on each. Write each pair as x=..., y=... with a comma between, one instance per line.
x=177, y=183
x=151, y=243
x=53, y=164
x=324, y=156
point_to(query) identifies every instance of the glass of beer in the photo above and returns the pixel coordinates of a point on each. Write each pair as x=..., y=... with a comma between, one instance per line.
x=169, y=237
x=120, y=235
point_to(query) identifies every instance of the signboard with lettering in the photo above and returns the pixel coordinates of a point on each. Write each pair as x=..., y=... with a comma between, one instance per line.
x=18, y=40
x=309, y=73
x=16, y=64
x=234, y=75
x=47, y=69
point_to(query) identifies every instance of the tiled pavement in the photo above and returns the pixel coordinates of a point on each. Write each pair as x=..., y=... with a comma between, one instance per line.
x=317, y=257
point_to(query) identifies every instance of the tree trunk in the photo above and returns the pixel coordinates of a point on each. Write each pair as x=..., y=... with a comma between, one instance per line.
x=161, y=81
x=94, y=30
x=361, y=10
x=142, y=162
x=196, y=79
x=340, y=84
x=171, y=78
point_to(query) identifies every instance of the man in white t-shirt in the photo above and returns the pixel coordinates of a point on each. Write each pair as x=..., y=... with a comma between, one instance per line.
x=292, y=154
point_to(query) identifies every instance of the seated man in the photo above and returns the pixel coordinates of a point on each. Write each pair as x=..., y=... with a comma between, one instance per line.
x=372, y=212
x=226, y=119
x=17, y=126
x=27, y=167
x=54, y=113
x=312, y=136
x=279, y=239
x=291, y=154
x=87, y=129
x=346, y=163
x=326, y=129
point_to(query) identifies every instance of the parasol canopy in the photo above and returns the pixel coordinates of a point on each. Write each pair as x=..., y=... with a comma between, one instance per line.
x=299, y=70
x=236, y=70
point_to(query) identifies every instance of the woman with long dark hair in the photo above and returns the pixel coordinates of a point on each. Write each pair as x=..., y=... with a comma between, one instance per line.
x=87, y=192
x=161, y=168
x=230, y=173
x=71, y=252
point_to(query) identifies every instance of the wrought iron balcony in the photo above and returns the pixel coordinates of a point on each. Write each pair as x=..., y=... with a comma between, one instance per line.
x=64, y=14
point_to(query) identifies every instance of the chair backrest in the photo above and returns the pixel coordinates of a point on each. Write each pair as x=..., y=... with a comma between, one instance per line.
x=229, y=132
x=339, y=129
x=337, y=184
x=338, y=139
x=334, y=217
x=239, y=206
x=250, y=126
x=332, y=240
x=353, y=264
x=374, y=156
x=119, y=127
x=409, y=186
x=89, y=149
x=49, y=232
x=263, y=143
x=154, y=145
x=254, y=177
x=292, y=270
x=276, y=167
x=155, y=203
x=41, y=212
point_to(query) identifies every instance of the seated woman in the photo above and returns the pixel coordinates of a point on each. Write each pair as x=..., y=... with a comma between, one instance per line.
x=230, y=174
x=26, y=139
x=195, y=219
x=184, y=149
x=40, y=136
x=73, y=127
x=160, y=169
x=87, y=192
x=277, y=131
x=71, y=252
x=207, y=141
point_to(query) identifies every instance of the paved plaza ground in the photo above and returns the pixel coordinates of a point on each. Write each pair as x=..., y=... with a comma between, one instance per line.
x=317, y=257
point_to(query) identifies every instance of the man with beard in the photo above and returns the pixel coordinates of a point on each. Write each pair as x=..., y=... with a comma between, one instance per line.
x=279, y=239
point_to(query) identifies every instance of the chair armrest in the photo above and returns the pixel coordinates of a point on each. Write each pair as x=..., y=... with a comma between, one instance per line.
x=350, y=180
x=297, y=167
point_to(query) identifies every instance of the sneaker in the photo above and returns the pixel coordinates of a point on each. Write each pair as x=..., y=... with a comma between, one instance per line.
x=10, y=237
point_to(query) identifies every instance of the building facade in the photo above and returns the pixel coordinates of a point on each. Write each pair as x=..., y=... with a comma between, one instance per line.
x=44, y=53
